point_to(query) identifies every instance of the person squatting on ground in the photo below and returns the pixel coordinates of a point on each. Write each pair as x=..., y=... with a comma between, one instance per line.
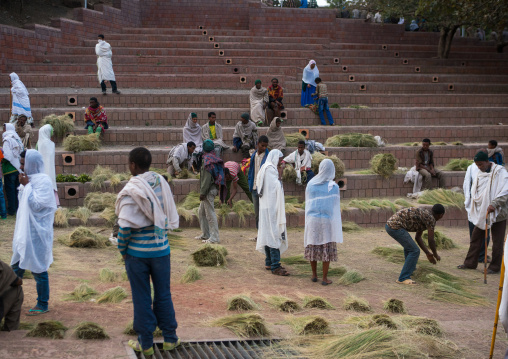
x=32, y=245
x=425, y=166
x=301, y=159
x=213, y=131
x=105, y=65
x=414, y=220
x=180, y=156
x=245, y=136
x=257, y=160
x=96, y=120
x=211, y=181
x=192, y=133
x=323, y=221
x=322, y=97
x=234, y=178
x=20, y=100
x=146, y=212
x=488, y=209
x=11, y=298
x=272, y=235
x=276, y=138
x=12, y=148
x=258, y=102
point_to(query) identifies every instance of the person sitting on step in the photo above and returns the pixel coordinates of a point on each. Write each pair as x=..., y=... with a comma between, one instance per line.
x=245, y=136
x=96, y=120
x=313, y=146
x=275, y=97
x=213, y=131
x=24, y=131
x=425, y=166
x=496, y=154
x=301, y=159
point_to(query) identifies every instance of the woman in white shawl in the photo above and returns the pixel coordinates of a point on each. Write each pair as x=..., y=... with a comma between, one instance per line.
x=310, y=72
x=323, y=222
x=20, y=100
x=276, y=138
x=12, y=147
x=272, y=235
x=46, y=148
x=192, y=133
x=32, y=245
x=258, y=101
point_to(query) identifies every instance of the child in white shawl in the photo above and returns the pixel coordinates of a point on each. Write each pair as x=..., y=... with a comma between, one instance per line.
x=46, y=148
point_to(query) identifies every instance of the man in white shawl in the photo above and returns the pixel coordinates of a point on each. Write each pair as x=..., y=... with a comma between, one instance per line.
x=20, y=100
x=32, y=245
x=213, y=131
x=310, y=72
x=12, y=147
x=258, y=102
x=192, y=133
x=323, y=221
x=46, y=148
x=245, y=136
x=180, y=156
x=146, y=212
x=105, y=65
x=301, y=159
x=272, y=235
x=488, y=210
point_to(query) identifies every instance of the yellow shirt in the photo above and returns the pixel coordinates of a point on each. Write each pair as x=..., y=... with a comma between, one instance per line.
x=212, y=131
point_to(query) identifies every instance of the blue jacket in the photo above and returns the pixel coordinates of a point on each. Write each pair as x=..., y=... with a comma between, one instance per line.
x=497, y=158
x=252, y=165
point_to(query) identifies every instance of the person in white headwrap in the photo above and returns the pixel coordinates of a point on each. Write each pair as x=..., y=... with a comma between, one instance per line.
x=258, y=102
x=310, y=72
x=12, y=147
x=323, y=221
x=20, y=100
x=272, y=235
x=32, y=245
x=276, y=138
x=192, y=133
x=105, y=65
x=46, y=148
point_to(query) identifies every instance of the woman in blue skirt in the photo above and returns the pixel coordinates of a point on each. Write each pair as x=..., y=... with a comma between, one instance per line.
x=310, y=72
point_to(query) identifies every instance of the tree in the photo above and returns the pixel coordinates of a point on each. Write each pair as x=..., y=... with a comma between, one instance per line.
x=494, y=16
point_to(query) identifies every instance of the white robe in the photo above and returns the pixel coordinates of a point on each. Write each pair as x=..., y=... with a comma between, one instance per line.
x=299, y=161
x=104, y=63
x=180, y=153
x=272, y=209
x=12, y=146
x=503, y=307
x=414, y=176
x=471, y=173
x=192, y=132
x=20, y=97
x=258, y=99
x=46, y=148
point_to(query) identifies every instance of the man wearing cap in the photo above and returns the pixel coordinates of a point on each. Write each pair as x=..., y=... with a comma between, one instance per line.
x=488, y=210
x=425, y=166
x=245, y=136
x=258, y=102
x=417, y=220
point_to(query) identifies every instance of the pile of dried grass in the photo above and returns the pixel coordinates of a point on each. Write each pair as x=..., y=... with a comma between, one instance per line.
x=293, y=138
x=242, y=302
x=384, y=164
x=113, y=295
x=350, y=277
x=191, y=275
x=81, y=293
x=352, y=302
x=61, y=124
x=240, y=208
x=109, y=215
x=402, y=203
x=289, y=174
x=189, y=206
x=82, y=237
x=457, y=143
x=83, y=214
x=244, y=325
x=62, y=216
x=316, y=302
x=352, y=140
x=367, y=206
x=23, y=325
x=308, y=325
x=90, y=330
x=210, y=255
x=102, y=174
x=82, y=143
x=293, y=204
x=340, y=168
x=442, y=241
x=283, y=304
x=439, y=143
x=394, y=255
x=48, y=329
x=106, y=275
x=422, y=325
x=99, y=201
x=394, y=305
x=443, y=196
x=350, y=227
x=458, y=164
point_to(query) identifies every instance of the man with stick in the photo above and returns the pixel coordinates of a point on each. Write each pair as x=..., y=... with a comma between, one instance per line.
x=489, y=210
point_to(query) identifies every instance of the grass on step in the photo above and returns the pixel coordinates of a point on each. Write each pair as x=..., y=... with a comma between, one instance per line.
x=443, y=196
x=244, y=325
x=242, y=302
x=90, y=330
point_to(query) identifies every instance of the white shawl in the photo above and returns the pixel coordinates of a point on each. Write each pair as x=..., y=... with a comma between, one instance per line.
x=414, y=176
x=46, y=148
x=503, y=307
x=20, y=97
x=309, y=75
x=246, y=132
x=12, y=145
x=272, y=213
x=192, y=132
x=471, y=173
x=299, y=161
x=32, y=245
x=205, y=135
x=180, y=152
x=104, y=63
x=258, y=98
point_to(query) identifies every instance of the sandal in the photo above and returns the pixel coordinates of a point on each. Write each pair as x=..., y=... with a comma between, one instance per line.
x=326, y=283
x=280, y=271
x=36, y=311
x=134, y=344
x=270, y=268
x=406, y=282
x=171, y=346
x=462, y=266
x=314, y=279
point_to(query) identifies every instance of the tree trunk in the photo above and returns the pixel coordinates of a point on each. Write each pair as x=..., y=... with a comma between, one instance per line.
x=500, y=46
x=441, y=45
x=449, y=39
x=445, y=41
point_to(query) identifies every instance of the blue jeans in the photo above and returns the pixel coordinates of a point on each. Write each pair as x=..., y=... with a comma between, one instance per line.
x=11, y=190
x=322, y=107
x=255, y=201
x=481, y=256
x=3, y=211
x=139, y=270
x=411, y=251
x=310, y=175
x=41, y=284
x=272, y=258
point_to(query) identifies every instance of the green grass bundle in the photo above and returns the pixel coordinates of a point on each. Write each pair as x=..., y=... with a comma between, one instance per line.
x=175, y=241
x=118, y=178
x=384, y=164
x=457, y=143
x=394, y=305
x=442, y=241
x=295, y=260
x=62, y=216
x=309, y=325
x=23, y=325
x=99, y=201
x=458, y=164
x=380, y=320
x=106, y=275
x=90, y=330
x=303, y=267
x=403, y=203
x=185, y=174
x=124, y=276
x=241, y=208
x=289, y=174
x=242, y=302
x=113, y=295
x=82, y=143
x=352, y=140
x=129, y=330
x=350, y=277
x=160, y=171
x=82, y=293
x=423, y=325
x=48, y=329
x=82, y=237
x=83, y=214
x=352, y=302
x=350, y=227
x=316, y=302
x=61, y=124
x=411, y=144
x=210, y=255
x=293, y=204
x=293, y=138
x=362, y=205
x=244, y=325
x=394, y=255
x=443, y=196
x=191, y=275
x=335, y=105
x=191, y=201
x=439, y=143
x=384, y=204
x=100, y=175
x=358, y=107
x=283, y=304
x=340, y=168
x=109, y=215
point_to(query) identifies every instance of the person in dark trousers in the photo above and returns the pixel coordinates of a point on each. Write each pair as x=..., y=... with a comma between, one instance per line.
x=257, y=159
x=105, y=65
x=425, y=166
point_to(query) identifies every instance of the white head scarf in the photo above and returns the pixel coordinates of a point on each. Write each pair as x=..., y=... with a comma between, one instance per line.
x=20, y=99
x=192, y=132
x=12, y=145
x=46, y=148
x=34, y=164
x=309, y=75
x=271, y=161
x=325, y=174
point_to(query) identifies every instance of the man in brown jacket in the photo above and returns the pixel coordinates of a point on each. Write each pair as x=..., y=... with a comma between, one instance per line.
x=425, y=166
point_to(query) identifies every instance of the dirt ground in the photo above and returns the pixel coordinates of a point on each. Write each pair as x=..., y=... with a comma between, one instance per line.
x=198, y=303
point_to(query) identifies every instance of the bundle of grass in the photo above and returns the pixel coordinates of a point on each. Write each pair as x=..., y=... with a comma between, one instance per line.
x=394, y=305
x=309, y=325
x=350, y=277
x=185, y=174
x=62, y=218
x=106, y=275
x=48, y=329
x=316, y=302
x=98, y=201
x=242, y=302
x=124, y=276
x=82, y=143
x=191, y=275
x=402, y=202
x=362, y=205
x=82, y=293
x=383, y=320
x=352, y=140
x=191, y=201
x=240, y=208
x=458, y=164
x=439, y=143
x=210, y=255
x=303, y=268
x=118, y=178
x=340, y=168
x=244, y=325
x=350, y=227
x=394, y=255
x=412, y=144
x=357, y=304
x=293, y=138
x=358, y=107
x=289, y=174
x=442, y=241
x=61, y=124
x=82, y=237
x=423, y=325
x=109, y=215
x=23, y=326
x=457, y=143
x=129, y=330
x=100, y=175
x=283, y=304
x=90, y=330
x=443, y=196
x=83, y=214
x=293, y=204
x=113, y=295
x=384, y=164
